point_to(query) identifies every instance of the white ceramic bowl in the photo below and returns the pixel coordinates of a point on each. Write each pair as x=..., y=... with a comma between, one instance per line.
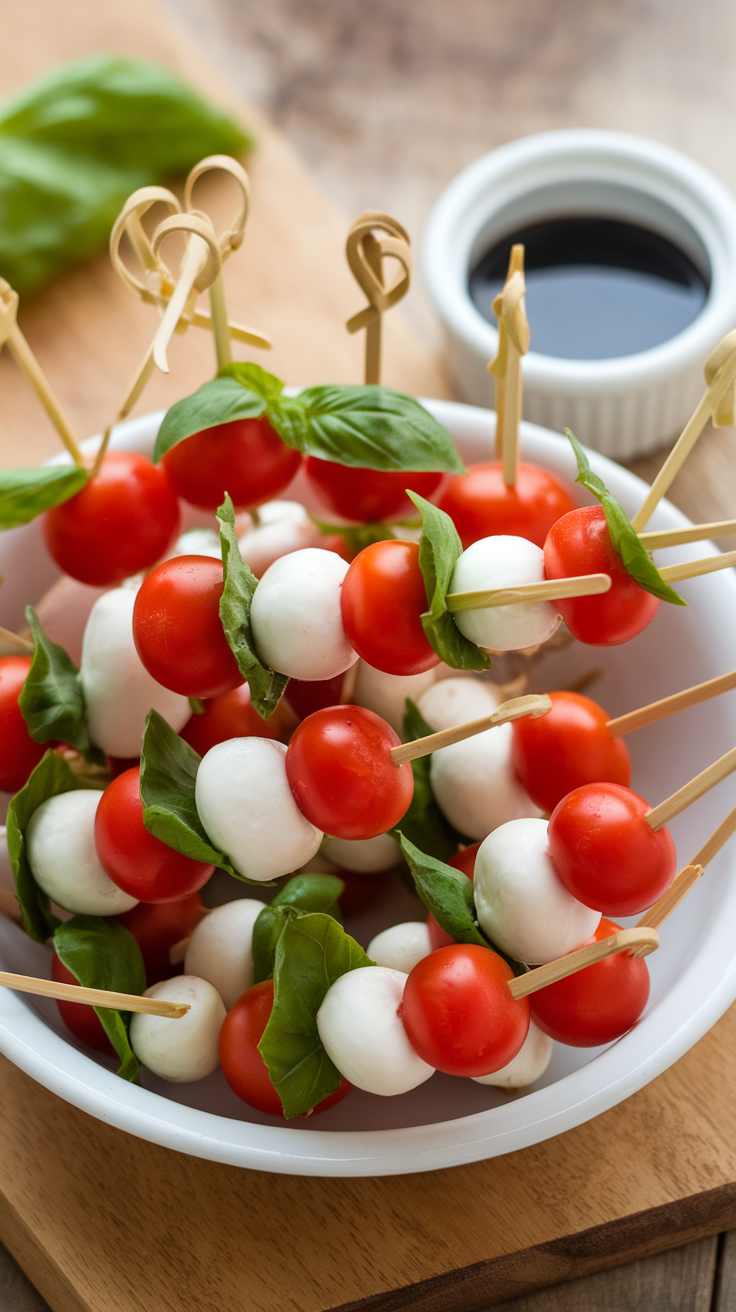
x=622, y=407
x=449, y=1121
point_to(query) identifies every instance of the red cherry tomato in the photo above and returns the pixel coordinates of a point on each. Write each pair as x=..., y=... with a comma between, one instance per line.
x=605, y=852
x=580, y=543
x=367, y=494
x=481, y=505
x=342, y=776
x=156, y=927
x=599, y=1003
x=459, y=1014
x=307, y=696
x=135, y=860
x=80, y=1019
x=232, y=716
x=19, y=755
x=245, y=458
x=383, y=597
x=177, y=628
x=567, y=747
x=242, y=1064
x=119, y=524
x=465, y=861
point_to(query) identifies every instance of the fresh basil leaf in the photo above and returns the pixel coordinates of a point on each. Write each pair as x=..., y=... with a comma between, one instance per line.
x=26, y=493
x=253, y=378
x=303, y=892
x=439, y=551
x=625, y=540
x=50, y=777
x=424, y=824
x=219, y=401
x=51, y=699
x=267, y=687
x=356, y=537
x=102, y=954
x=312, y=952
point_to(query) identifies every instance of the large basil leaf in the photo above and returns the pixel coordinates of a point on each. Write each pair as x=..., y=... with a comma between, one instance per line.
x=626, y=542
x=312, y=952
x=303, y=892
x=52, y=700
x=424, y=824
x=50, y=777
x=26, y=493
x=101, y=954
x=439, y=550
x=218, y=402
x=266, y=685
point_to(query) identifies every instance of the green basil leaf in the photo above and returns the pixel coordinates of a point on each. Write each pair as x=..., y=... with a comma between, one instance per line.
x=101, y=954
x=51, y=700
x=312, y=952
x=220, y=401
x=303, y=892
x=424, y=824
x=266, y=686
x=50, y=777
x=253, y=378
x=356, y=537
x=439, y=551
x=626, y=542
x=26, y=493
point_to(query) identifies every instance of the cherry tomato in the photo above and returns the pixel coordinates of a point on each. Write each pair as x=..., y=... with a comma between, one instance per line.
x=459, y=1014
x=465, y=861
x=342, y=776
x=177, y=628
x=580, y=543
x=232, y=716
x=367, y=494
x=306, y=696
x=481, y=505
x=242, y=1064
x=605, y=852
x=135, y=860
x=119, y=764
x=19, y=755
x=383, y=597
x=119, y=524
x=79, y=1018
x=245, y=458
x=156, y=927
x=567, y=747
x=597, y=1004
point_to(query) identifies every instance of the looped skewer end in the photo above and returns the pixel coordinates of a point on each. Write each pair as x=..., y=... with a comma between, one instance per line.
x=365, y=255
x=232, y=239
x=201, y=265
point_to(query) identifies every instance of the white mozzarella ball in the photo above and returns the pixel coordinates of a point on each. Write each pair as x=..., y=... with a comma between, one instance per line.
x=118, y=690
x=521, y=902
x=504, y=562
x=529, y=1064
x=221, y=948
x=296, y=617
x=185, y=1049
x=198, y=541
x=363, y=1033
x=475, y=785
x=400, y=947
x=386, y=694
x=365, y=855
x=60, y=842
x=248, y=809
x=284, y=527
x=454, y=701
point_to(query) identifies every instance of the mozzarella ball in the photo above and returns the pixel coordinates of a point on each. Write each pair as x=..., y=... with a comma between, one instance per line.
x=386, y=694
x=284, y=527
x=363, y=1033
x=198, y=542
x=60, y=842
x=475, y=785
x=296, y=617
x=454, y=701
x=521, y=902
x=221, y=948
x=504, y=562
x=401, y=946
x=365, y=855
x=529, y=1064
x=185, y=1049
x=118, y=690
x=248, y=809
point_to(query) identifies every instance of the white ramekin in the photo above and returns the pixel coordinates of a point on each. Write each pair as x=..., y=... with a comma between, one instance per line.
x=625, y=406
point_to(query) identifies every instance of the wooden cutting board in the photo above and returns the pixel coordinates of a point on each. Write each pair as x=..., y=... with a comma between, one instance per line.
x=107, y=1223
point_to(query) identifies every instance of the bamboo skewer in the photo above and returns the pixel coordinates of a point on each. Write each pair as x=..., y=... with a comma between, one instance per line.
x=201, y=265
x=7, y=635
x=365, y=255
x=513, y=343
x=534, y=704
x=676, y=537
x=48, y=988
x=586, y=585
x=691, y=791
x=643, y=938
x=692, y=569
x=679, y=701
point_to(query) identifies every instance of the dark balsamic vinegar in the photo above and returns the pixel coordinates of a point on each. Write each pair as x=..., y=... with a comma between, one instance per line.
x=595, y=288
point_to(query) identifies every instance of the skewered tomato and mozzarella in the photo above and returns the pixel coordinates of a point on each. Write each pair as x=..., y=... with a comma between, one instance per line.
x=60, y=842
x=177, y=629
x=599, y=1003
x=185, y=1049
x=480, y=503
x=569, y=746
x=383, y=598
x=363, y=1034
x=221, y=948
x=244, y=458
x=504, y=562
x=296, y=618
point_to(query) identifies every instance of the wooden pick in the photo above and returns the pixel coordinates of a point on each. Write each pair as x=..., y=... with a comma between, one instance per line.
x=15, y=639
x=48, y=988
x=513, y=342
x=586, y=585
x=717, y=404
x=201, y=265
x=679, y=701
x=228, y=241
x=675, y=537
x=692, y=569
x=691, y=791
x=534, y=704
x=365, y=254
x=643, y=938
